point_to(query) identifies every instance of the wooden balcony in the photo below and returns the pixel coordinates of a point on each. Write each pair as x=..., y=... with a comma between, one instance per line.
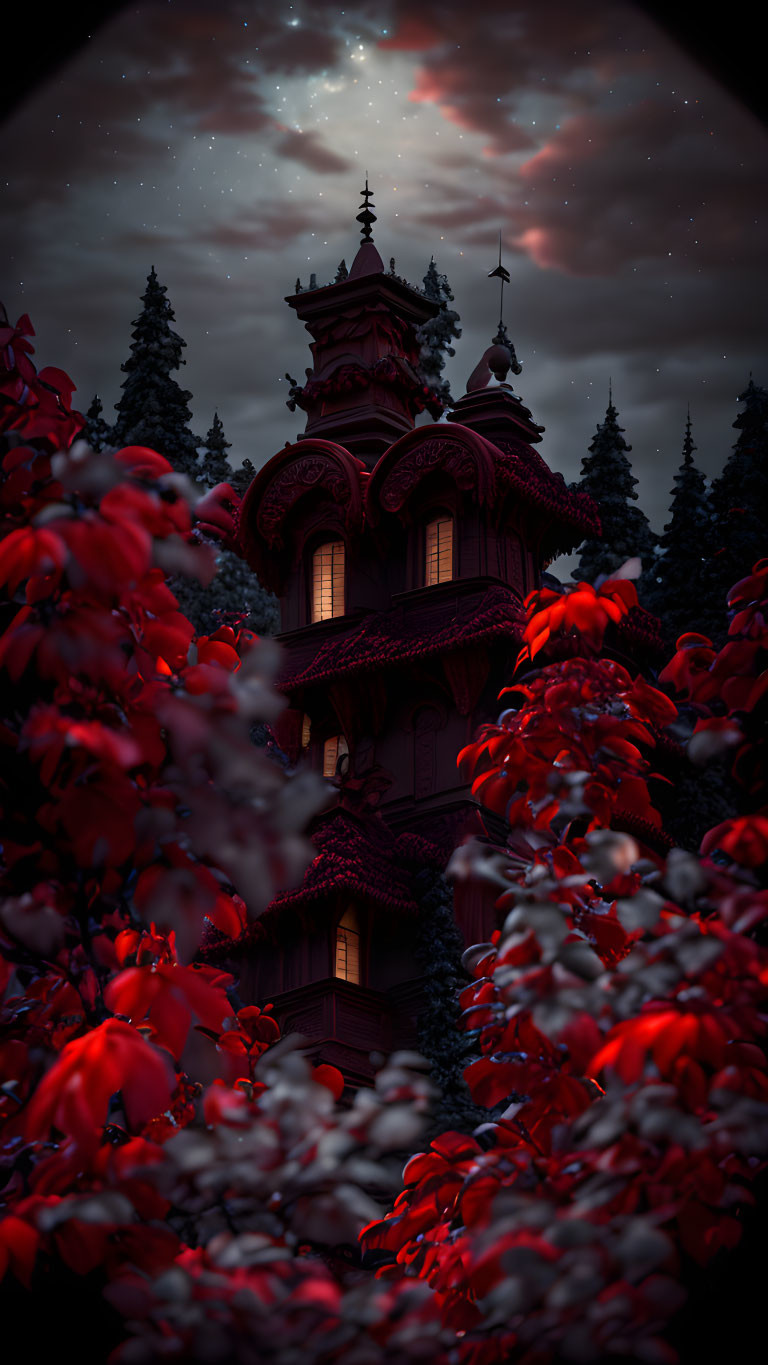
x=344, y=1023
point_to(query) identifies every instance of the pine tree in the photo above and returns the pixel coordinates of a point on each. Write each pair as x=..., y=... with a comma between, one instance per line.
x=683, y=549
x=153, y=410
x=234, y=598
x=216, y=467
x=606, y=474
x=448, y=1047
x=435, y=337
x=242, y=477
x=740, y=498
x=96, y=431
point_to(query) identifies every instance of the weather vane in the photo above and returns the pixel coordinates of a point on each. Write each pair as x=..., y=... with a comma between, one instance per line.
x=503, y=274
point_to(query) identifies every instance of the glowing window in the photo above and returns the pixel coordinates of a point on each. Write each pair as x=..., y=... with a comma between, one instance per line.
x=306, y=732
x=348, y=947
x=333, y=749
x=328, y=580
x=439, y=551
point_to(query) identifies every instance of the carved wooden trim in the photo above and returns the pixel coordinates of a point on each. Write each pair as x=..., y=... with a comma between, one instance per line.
x=291, y=483
x=400, y=472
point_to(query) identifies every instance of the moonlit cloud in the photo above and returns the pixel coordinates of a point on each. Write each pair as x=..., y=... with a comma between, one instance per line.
x=226, y=144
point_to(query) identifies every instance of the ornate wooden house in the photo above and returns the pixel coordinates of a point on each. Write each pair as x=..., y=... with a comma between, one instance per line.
x=401, y=555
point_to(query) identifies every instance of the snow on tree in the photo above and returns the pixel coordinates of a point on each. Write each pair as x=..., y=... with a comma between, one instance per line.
x=96, y=431
x=606, y=474
x=435, y=337
x=153, y=410
x=740, y=496
x=215, y=465
x=683, y=545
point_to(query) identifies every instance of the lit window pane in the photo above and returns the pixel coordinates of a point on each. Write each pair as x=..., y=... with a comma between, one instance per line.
x=348, y=948
x=333, y=749
x=328, y=580
x=439, y=551
x=306, y=732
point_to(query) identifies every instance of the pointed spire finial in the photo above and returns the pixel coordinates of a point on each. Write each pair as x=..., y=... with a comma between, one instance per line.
x=610, y=391
x=366, y=217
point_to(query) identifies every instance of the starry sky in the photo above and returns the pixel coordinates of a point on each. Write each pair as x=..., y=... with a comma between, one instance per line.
x=227, y=143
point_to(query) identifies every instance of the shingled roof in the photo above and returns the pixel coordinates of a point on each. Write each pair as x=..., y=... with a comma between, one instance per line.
x=404, y=634
x=357, y=856
x=523, y=469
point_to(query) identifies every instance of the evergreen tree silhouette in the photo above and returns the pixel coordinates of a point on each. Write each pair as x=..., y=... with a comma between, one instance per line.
x=96, y=431
x=435, y=337
x=215, y=465
x=234, y=598
x=153, y=410
x=242, y=477
x=606, y=474
x=740, y=500
x=448, y=1047
x=684, y=545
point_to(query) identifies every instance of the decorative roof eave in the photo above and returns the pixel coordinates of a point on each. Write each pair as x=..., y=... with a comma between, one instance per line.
x=489, y=469
x=522, y=469
x=306, y=470
x=379, y=642
x=331, y=298
x=356, y=857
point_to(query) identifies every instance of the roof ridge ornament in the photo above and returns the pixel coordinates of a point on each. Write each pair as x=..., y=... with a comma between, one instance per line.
x=366, y=217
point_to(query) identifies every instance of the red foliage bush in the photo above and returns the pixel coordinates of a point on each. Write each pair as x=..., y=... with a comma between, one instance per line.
x=619, y=1017
x=166, y=1151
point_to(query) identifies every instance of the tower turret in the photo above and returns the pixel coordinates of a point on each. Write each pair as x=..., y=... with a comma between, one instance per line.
x=364, y=387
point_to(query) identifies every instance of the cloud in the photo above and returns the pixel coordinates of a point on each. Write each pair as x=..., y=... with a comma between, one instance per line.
x=163, y=73
x=481, y=67
x=647, y=183
x=309, y=150
x=259, y=228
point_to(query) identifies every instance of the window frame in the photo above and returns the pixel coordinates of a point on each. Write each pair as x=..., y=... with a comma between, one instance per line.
x=313, y=551
x=437, y=517
x=355, y=941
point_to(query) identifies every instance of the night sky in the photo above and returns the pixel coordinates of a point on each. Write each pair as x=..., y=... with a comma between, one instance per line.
x=227, y=145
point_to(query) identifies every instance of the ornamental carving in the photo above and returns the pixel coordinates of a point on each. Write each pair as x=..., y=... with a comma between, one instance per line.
x=389, y=371
x=292, y=482
x=459, y=462
x=354, y=323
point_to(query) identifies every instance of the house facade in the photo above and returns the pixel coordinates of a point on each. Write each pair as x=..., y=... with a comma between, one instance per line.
x=401, y=554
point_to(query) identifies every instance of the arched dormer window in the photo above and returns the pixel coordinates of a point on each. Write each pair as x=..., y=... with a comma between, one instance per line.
x=347, y=962
x=333, y=749
x=327, y=589
x=438, y=543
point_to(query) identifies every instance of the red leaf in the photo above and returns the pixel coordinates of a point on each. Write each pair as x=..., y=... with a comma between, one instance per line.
x=330, y=1077
x=74, y=1095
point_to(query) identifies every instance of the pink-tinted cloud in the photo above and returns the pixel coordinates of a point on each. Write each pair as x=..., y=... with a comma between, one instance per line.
x=648, y=183
x=481, y=66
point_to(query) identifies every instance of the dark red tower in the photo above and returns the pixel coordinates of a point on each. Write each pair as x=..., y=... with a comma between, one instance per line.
x=401, y=556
